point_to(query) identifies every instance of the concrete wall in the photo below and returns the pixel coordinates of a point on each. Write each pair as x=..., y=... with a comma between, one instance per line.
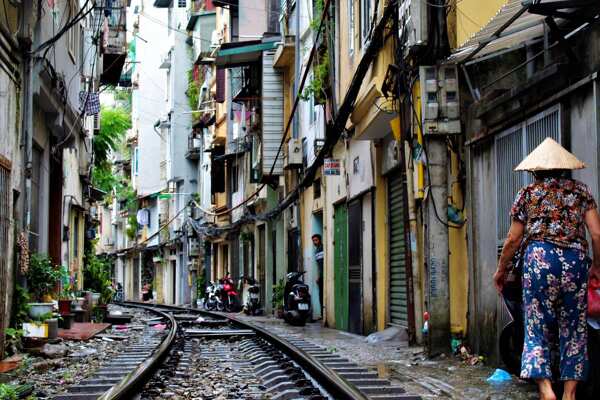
x=149, y=97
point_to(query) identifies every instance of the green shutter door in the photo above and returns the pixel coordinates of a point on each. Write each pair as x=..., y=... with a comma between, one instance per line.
x=397, y=247
x=340, y=277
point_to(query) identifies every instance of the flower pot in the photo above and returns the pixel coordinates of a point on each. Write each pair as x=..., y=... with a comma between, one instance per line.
x=64, y=306
x=66, y=321
x=52, y=328
x=36, y=310
x=78, y=304
x=96, y=298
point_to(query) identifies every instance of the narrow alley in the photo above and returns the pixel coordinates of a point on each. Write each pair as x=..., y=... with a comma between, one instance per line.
x=299, y=199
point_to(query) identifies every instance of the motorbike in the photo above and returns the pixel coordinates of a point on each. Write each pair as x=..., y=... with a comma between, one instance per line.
x=212, y=300
x=252, y=306
x=513, y=336
x=296, y=301
x=228, y=295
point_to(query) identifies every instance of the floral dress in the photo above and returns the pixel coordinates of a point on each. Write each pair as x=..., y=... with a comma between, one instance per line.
x=555, y=276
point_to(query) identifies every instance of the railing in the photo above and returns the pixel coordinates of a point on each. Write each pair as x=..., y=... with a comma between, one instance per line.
x=116, y=41
x=194, y=147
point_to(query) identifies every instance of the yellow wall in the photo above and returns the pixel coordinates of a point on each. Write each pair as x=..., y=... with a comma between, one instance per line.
x=458, y=262
x=381, y=246
x=473, y=15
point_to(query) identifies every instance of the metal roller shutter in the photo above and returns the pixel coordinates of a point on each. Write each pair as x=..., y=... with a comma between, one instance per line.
x=397, y=247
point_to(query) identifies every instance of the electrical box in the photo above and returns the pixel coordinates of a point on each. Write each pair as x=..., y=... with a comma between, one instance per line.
x=440, y=106
x=294, y=154
x=412, y=23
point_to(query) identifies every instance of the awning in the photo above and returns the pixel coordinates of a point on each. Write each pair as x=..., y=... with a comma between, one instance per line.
x=241, y=53
x=513, y=25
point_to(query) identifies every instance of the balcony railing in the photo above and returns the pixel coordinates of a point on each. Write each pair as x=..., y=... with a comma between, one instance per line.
x=237, y=146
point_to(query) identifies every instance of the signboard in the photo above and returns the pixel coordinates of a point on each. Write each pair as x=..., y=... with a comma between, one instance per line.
x=331, y=166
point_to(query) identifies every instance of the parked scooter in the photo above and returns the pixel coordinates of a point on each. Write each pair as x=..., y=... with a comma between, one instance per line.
x=228, y=295
x=296, y=302
x=252, y=306
x=212, y=301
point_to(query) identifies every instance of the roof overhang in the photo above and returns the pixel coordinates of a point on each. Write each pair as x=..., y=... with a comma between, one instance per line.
x=241, y=53
x=162, y=3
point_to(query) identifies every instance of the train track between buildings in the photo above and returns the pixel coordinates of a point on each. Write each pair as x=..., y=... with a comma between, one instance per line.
x=208, y=355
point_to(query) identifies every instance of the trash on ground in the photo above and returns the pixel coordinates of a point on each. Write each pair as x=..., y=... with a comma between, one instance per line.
x=159, y=327
x=499, y=376
x=385, y=335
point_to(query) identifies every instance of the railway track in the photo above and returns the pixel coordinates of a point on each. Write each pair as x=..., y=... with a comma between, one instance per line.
x=205, y=355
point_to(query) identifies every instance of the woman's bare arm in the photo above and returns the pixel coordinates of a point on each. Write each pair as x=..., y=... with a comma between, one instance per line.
x=592, y=221
x=511, y=245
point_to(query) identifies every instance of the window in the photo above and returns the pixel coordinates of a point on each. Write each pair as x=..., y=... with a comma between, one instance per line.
x=317, y=188
x=511, y=147
x=351, y=27
x=76, y=235
x=234, y=178
x=365, y=20
x=182, y=3
x=136, y=160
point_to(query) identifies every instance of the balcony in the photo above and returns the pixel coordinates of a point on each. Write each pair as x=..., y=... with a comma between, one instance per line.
x=194, y=147
x=200, y=27
x=236, y=146
x=114, y=43
x=165, y=62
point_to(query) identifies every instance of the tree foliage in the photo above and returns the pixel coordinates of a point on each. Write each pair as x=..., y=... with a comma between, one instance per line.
x=114, y=122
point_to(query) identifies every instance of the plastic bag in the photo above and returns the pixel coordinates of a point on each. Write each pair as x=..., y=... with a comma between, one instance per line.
x=499, y=376
x=594, y=298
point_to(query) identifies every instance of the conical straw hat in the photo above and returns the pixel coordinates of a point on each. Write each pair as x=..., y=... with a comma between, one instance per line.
x=549, y=155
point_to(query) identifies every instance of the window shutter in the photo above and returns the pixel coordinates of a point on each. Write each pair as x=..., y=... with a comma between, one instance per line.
x=220, y=97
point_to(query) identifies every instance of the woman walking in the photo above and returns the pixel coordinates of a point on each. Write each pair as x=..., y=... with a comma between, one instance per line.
x=549, y=218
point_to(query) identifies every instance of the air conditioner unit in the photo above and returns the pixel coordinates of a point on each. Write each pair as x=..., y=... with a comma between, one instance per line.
x=412, y=25
x=294, y=154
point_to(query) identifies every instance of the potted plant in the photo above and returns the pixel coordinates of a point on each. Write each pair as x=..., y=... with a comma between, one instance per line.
x=42, y=279
x=66, y=296
x=278, y=293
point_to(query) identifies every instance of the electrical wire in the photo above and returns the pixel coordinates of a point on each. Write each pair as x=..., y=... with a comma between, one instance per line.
x=166, y=224
x=78, y=17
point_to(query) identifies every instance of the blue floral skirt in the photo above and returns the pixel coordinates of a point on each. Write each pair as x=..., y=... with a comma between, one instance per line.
x=555, y=310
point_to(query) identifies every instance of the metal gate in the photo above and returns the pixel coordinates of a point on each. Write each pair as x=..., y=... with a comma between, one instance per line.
x=340, y=275
x=399, y=301
x=4, y=232
x=355, y=273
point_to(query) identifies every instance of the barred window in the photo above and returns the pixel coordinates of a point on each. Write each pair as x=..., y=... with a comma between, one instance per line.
x=512, y=146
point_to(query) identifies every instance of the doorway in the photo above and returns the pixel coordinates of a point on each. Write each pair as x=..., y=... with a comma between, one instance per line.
x=173, y=282
x=260, y=266
x=355, y=295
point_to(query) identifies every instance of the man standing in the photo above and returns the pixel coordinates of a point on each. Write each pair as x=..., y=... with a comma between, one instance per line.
x=317, y=242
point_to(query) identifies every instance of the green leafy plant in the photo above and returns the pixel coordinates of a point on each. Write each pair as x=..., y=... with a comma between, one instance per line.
x=21, y=307
x=12, y=342
x=114, y=124
x=193, y=95
x=97, y=276
x=201, y=284
x=8, y=392
x=278, y=293
x=42, y=276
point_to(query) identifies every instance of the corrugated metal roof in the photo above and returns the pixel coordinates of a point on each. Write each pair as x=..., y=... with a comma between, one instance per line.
x=525, y=26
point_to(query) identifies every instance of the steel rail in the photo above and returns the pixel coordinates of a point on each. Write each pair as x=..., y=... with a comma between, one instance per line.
x=336, y=385
x=131, y=384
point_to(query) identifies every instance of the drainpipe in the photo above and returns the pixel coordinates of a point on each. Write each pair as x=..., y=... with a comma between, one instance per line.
x=436, y=247
x=297, y=65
